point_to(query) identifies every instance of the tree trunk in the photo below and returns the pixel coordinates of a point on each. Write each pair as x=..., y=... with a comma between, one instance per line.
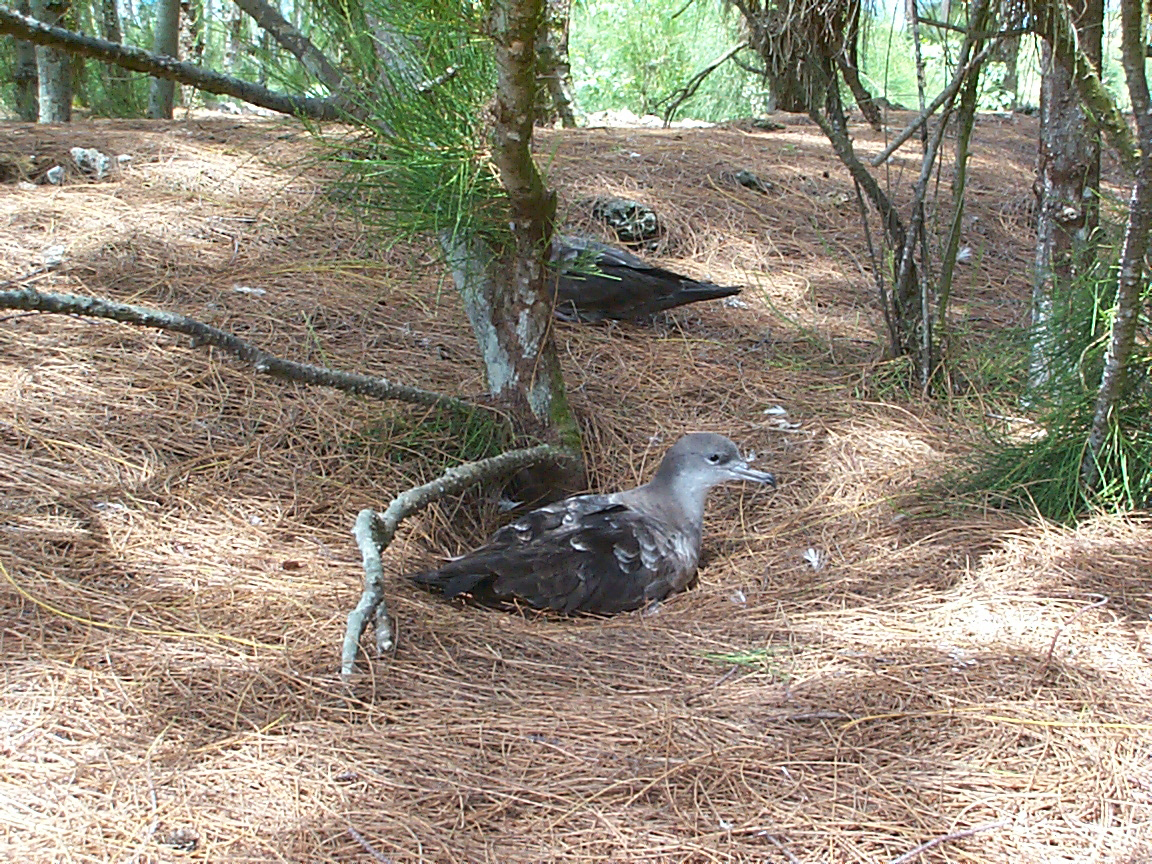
x=849, y=63
x=166, y=41
x=27, y=97
x=53, y=69
x=1132, y=274
x=118, y=82
x=1010, y=83
x=1067, y=187
x=552, y=63
x=191, y=39
x=235, y=39
x=517, y=337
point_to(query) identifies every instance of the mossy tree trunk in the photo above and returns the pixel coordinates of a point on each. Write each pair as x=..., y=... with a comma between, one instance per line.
x=511, y=308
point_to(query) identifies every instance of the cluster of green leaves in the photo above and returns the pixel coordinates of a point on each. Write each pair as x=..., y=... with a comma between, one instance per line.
x=1039, y=466
x=421, y=163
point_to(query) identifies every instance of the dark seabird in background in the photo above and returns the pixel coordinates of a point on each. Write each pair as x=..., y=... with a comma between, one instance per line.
x=604, y=553
x=626, y=288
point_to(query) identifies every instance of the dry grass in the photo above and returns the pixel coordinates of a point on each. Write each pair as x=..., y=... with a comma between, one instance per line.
x=177, y=559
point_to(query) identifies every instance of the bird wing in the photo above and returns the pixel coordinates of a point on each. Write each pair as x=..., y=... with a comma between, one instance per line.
x=626, y=287
x=585, y=554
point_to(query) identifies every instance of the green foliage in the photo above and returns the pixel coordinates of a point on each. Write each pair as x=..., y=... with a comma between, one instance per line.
x=422, y=163
x=440, y=439
x=635, y=54
x=1038, y=466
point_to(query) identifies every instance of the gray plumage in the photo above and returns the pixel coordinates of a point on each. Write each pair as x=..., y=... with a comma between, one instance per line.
x=604, y=553
x=627, y=287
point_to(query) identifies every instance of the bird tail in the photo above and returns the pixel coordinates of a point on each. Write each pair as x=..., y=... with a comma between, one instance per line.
x=449, y=582
x=692, y=291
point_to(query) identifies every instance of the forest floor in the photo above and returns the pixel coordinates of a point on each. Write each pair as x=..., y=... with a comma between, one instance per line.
x=864, y=667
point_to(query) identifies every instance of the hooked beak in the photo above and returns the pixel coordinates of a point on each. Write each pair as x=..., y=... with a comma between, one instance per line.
x=741, y=471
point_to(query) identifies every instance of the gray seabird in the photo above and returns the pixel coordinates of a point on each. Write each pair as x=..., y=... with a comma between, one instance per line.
x=604, y=553
x=626, y=287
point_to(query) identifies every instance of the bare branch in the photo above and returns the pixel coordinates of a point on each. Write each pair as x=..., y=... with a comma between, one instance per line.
x=374, y=532
x=267, y=364
x=158, y=66
x=296, y=43
x=946, y=95
x=1056, y=635
x=683, y=94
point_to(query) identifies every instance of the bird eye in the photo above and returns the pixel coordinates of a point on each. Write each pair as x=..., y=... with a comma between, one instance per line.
x=715, y=458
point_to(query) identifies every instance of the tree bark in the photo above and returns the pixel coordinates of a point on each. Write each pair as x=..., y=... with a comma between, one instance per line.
x=519, y=343
x=1132, y=274
x=1053, y=23
x=27, y=85
x=165, y=42
x=1010, y=83
x=553, y=65
x=1067, y=185
x=53, y=70
x=164, y=67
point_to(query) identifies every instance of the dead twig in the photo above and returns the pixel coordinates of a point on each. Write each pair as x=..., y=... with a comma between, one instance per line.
x=936, y=841
x=368, y=847
x=1052, y=646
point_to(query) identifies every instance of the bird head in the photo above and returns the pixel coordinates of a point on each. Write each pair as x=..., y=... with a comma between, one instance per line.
x=701, y=460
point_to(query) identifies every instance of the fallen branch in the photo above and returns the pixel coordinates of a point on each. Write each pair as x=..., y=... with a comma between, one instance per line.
x=32, y=300
x=375, y=531
x=375, y=853
x=936, y=841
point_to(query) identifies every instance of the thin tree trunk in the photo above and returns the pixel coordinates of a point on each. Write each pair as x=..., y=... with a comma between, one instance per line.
x=1010, y=83
x=191, y=39
x=166, y=42
x=1067, y=187
x=118, y=82
x=552, y=61
x=235, y=39
x=1132, y=272
x=848, y=61
x=53, y=67
x=523, y=355
x=27, y=86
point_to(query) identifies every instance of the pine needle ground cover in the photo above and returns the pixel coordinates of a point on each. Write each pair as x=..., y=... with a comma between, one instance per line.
x=861, y=669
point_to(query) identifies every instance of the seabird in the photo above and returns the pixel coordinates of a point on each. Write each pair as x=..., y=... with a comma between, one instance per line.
x=626, y=287
x=604, y=553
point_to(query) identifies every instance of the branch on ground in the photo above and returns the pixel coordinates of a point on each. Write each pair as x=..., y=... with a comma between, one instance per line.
x=374, y=532
x=31, y=300
x=159, y=66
